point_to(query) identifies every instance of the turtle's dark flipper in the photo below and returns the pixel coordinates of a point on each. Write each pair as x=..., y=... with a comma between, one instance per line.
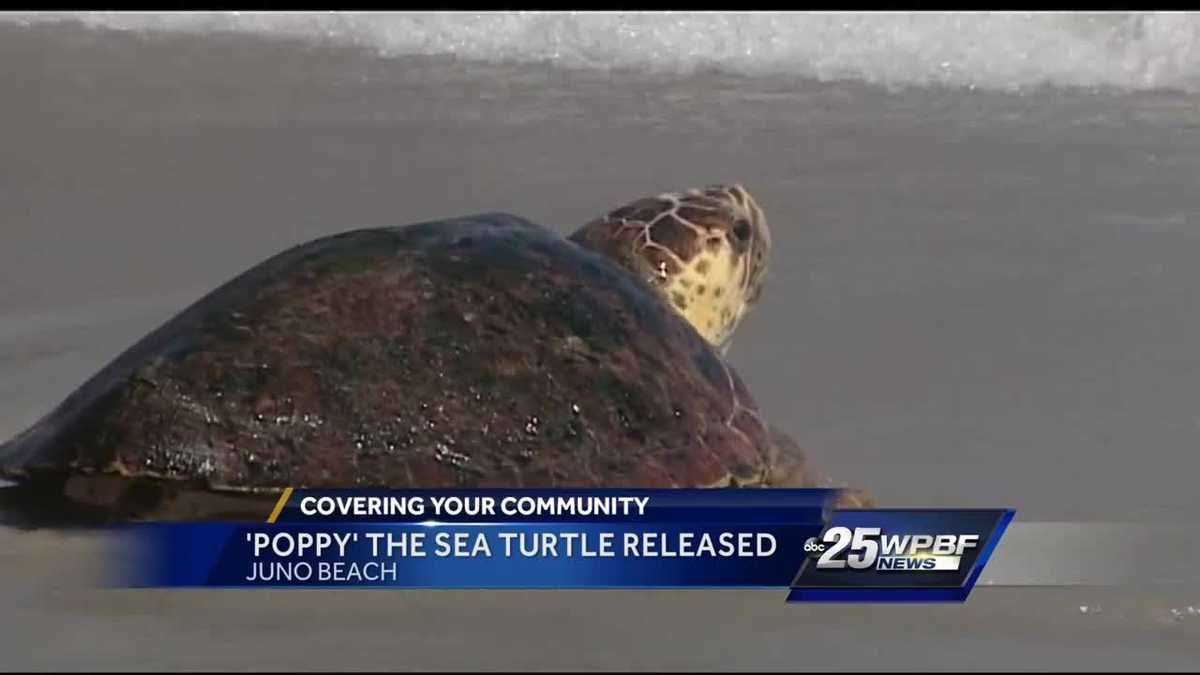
x=63, y=500
x=39, y=501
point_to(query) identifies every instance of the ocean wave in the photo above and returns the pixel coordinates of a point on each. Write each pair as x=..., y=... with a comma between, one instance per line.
x=995, y=51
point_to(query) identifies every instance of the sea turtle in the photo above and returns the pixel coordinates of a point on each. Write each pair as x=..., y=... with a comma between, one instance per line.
x=482, y=351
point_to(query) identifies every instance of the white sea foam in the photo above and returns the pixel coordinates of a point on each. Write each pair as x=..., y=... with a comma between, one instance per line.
x=1004, y=51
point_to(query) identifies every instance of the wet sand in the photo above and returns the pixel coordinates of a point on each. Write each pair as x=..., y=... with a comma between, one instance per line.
x=977, y=299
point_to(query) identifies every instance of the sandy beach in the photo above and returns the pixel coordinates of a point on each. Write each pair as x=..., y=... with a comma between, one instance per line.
x=977, y=299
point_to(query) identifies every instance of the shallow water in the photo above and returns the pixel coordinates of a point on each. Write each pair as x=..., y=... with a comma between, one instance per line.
x=977, y=298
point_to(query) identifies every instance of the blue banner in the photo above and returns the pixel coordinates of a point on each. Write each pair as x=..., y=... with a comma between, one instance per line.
x=530, y=539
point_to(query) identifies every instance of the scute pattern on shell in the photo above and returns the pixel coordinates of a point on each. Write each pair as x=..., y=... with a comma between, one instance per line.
x=483, y=351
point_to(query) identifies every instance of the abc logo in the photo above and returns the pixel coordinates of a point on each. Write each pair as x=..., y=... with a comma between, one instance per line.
x=813, y=547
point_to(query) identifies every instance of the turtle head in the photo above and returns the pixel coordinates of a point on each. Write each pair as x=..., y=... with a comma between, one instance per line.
x=704, y=250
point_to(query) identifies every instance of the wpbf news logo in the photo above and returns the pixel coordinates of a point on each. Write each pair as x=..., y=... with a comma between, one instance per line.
x=911, y=555
x=864, y=548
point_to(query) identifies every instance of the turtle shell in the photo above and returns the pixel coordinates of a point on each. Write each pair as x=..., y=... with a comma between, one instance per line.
x=484, y=351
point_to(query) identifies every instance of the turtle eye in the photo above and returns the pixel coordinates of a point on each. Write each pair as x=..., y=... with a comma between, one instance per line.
x=741, y=230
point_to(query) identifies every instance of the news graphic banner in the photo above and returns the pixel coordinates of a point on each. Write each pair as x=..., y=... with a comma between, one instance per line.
x=529, y=539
